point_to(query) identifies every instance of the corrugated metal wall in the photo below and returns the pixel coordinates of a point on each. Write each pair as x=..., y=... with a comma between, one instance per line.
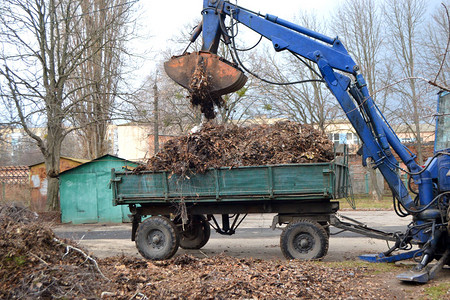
x=85, y=196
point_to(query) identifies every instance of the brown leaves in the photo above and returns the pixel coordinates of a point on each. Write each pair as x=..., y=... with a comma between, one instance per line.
x=36, y=266
x=223, y=277
x=232, y=146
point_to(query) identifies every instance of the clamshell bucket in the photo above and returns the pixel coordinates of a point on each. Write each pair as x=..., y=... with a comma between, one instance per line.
x=221, y=76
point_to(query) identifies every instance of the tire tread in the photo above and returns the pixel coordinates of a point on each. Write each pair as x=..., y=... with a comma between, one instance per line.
x=150, y=223
x=323, y=236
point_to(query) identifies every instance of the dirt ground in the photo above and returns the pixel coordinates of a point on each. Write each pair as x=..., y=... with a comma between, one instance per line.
x=261, y=247
x=36, y=263
x=378, y=275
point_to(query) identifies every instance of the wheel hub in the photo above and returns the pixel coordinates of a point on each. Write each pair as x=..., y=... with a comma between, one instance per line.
x=303, y=243
x=156, y=239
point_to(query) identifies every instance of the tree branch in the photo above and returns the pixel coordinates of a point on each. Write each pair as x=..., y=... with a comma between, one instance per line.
x=446, y=48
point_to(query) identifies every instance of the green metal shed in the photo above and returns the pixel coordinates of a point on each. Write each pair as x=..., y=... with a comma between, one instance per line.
x=84, y=193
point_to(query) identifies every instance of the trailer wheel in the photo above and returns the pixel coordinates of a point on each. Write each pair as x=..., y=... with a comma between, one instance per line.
x=157, y=238
x=196, y=233
x=304, y=240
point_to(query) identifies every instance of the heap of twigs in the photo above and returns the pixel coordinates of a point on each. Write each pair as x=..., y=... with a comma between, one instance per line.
x=35, y=264
x=231, y=146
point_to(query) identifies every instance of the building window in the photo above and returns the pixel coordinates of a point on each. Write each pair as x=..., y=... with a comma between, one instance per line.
x=352, y=138
x=334, y=137
x=348, y=138
x=408, y=140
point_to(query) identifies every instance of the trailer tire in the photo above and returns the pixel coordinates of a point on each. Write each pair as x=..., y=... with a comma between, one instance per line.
x=196, y=233
x=304, y=240
x=157, y=238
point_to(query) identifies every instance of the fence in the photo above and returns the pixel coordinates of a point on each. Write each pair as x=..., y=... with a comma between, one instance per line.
x=14, y=184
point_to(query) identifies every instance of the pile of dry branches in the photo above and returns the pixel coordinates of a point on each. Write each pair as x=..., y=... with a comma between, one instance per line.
x=35, y=264
x=17, y=213
x=232, y=146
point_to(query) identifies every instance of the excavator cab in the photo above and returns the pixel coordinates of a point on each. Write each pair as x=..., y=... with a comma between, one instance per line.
x=442, y=138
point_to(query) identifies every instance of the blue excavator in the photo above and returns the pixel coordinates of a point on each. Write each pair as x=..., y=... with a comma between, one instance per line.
x=205, y=73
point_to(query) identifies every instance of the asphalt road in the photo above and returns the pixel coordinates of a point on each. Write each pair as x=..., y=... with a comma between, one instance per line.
x=253, y=238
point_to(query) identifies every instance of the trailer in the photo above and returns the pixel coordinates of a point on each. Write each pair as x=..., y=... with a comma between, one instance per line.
x=180, y=209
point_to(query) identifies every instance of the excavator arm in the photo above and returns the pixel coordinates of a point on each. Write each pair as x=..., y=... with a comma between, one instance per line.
x=330, y=56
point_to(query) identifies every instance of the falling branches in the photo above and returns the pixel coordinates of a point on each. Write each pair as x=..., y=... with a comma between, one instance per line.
x=200, y=95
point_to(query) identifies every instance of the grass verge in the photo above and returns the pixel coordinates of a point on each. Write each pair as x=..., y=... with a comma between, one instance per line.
x=439, y=291
x=375, y=268
x=364, y=202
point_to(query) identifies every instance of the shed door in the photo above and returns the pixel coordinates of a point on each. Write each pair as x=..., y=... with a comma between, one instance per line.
x=106, y=211
x=80, y=205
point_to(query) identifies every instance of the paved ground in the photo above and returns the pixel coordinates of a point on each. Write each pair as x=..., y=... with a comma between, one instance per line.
x=254, y=238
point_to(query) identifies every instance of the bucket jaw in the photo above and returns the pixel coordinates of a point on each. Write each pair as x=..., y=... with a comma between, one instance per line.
x=205, y=71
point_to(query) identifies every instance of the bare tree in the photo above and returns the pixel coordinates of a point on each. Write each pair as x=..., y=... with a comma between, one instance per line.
x=405, y=20
x=360, y=28
x=42, y=50
x=95, y=81
x=17, y=148
x=309, y=103
x=437, y=45
x=175, y=114
x=240, y=105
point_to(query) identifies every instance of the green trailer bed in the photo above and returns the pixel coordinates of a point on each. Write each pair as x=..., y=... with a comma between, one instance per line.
x=317, y=181
x=182, y=208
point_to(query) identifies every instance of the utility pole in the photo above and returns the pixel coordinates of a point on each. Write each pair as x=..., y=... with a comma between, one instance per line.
x=155, y=113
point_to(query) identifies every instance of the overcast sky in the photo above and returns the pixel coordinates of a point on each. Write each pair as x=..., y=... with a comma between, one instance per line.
x=163, y=20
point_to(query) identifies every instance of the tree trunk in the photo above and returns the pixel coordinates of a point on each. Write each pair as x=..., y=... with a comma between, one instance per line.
x=375, y=190
x=52, y=194
x=52, y=155
x=156, y=116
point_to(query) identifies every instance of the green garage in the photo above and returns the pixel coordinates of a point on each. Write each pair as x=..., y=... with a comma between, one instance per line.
x=85, y=195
